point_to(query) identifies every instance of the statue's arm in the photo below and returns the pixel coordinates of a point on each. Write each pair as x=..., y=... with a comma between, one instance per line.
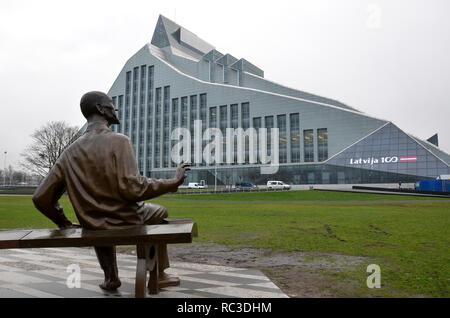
x=46, y=197
x=157, y=187
x=132, y=185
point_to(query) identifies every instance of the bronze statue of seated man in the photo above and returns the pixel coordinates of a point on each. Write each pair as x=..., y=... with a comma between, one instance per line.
x=101, y=177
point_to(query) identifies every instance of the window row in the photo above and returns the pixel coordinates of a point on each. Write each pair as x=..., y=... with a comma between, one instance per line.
x=142, y=106
x=312, y=138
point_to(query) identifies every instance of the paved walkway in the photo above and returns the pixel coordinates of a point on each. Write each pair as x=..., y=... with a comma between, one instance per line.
x=44, y=273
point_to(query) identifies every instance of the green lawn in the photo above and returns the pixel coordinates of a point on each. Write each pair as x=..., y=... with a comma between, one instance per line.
x=407, y=236
x=299, y=196
x=17, y=191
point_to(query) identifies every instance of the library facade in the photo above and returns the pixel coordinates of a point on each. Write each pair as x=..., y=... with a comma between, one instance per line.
x=180, y=81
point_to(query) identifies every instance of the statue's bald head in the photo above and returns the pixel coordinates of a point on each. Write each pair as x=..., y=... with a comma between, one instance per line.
x=89, y=103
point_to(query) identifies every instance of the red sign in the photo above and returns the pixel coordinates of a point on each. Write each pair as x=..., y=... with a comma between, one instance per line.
x=408, y=159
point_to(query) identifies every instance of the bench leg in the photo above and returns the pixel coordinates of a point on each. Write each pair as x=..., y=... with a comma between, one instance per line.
x=141, y=278
x=147, y=260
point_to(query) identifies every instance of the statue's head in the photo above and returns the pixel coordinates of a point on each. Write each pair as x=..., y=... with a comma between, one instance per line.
x=98, y=103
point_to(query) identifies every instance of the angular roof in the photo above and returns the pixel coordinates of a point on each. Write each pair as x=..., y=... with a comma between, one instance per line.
x=169, y=38
x=212, y=55
x=227, y=60
x=434, y=140
x=384, y=141
x=433, y=149
x=246, y=66
x=170, y=35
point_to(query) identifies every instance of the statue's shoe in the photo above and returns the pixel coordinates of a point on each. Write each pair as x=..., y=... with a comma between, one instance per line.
x=110, y=285
x=167, y=281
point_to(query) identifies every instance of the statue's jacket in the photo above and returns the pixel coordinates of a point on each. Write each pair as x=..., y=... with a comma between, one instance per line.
x=101, y=177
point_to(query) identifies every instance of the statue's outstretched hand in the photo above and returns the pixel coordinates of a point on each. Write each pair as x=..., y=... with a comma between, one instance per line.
x=180, y=175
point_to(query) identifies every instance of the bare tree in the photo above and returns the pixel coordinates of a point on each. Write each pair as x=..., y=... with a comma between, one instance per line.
x=49, y=142
x=12, y=176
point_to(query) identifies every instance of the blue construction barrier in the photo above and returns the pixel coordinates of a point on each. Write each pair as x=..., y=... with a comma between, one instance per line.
x=433, y=185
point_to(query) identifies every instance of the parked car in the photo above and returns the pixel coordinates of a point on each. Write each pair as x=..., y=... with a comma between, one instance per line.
x=277, y=185
x=196, y=185
x=245, y=185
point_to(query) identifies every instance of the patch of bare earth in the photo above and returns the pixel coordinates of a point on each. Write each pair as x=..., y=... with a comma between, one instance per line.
x=297, y=274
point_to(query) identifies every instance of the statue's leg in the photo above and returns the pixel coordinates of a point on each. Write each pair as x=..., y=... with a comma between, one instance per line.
x=106, y=256
x=163, y=258
x=155, y=214
x=152, y=265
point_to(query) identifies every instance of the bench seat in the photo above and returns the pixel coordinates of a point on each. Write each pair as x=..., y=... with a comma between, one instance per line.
x=145, y=237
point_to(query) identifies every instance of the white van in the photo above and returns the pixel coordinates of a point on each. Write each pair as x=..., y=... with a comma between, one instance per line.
x=277, y=185
x=196, y=185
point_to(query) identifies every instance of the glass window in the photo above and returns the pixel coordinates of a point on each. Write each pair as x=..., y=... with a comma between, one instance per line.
x=245, y=123
x=245, y=115
x=142, y=107
x=223, y=118
x=143, y=84
x=311, y=178
x=174, y=113
x=158, y=102
x=193, y=118
x=157, y=152
x=135, y=84
x=150, y=86
x=193, y=112
x=213, y=117
x=223, y=128
x=166, y=96
x=184, y=111
x=120, y=107
x=322, y=144
x=175, y=123
x=166, y=107
x=158, y=107
x=166, y=125
x=203, y=111
x=114, y=101
x=281, y=124
x=127, y=103
x=203, y=119
x=268, y=123
x=257, y=123
x=234, y=116
x=134, y=107
x=295, y=137
x=234, y=124
x=308, y=145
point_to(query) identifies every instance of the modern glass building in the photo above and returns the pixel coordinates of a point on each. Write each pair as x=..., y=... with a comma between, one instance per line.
x=179, y=79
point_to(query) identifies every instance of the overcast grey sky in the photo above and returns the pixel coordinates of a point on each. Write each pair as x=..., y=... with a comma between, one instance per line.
x=389, y=59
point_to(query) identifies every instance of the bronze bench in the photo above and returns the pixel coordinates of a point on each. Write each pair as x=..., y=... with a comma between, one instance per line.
x=146, y=238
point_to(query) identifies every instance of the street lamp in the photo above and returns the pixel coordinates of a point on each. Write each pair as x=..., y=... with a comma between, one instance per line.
x=4, y=170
